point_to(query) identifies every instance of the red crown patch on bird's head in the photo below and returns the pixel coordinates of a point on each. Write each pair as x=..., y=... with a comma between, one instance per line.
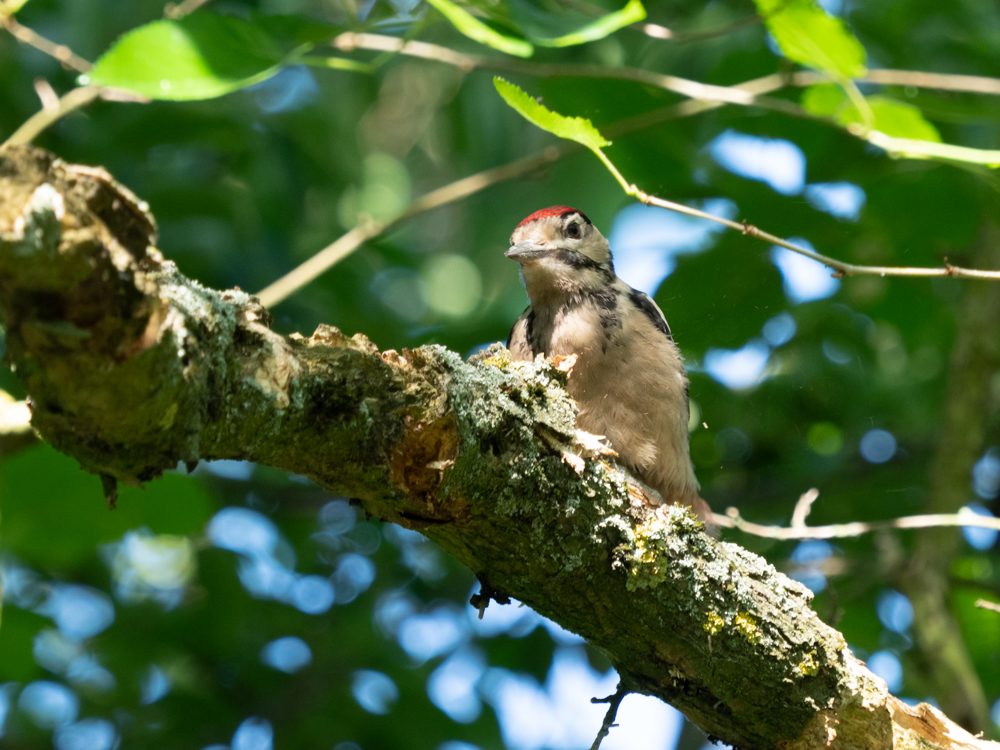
x=546, y=213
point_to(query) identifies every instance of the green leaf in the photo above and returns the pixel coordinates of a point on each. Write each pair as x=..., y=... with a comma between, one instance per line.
x=576, y=129
x=201, y=56
x=590, y=32
x=898, y=127
x=478, y=31
x=894, y=118
x=823, y=99
x=13, y=6
x=807, y=35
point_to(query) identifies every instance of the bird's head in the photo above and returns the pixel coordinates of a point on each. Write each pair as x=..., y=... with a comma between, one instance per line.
x=560, y=252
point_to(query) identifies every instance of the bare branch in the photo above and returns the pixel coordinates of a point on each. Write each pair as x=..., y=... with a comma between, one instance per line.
x=733, y=520
x=76, y=98
x=46, y=95
x=179, y=10
x=685, y=87
x=991, y=606
x=842, y=268
x=915, y=78
x=333, y=253
x=613, y=701
x=802, y=508
x=348, y=243
x=60, y=52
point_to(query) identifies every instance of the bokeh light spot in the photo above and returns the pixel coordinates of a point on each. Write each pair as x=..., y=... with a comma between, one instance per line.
x=804, y=279
x=453, y=284
x=877, y=446
x=78, y=611
x=288, y=654
x=49, y=704
x=886, y=665
x=243, y=530
x=779, y=163
x=374, y=691
x=894, y=611
x=254, y=733
x=825, y=439
x=452, y=686
x=312, y=594
x=779, y=330
x=86, y=734
x=979, y=538
x=844, y=200
x=986, y=475
x=155, y=686
x=739, y=369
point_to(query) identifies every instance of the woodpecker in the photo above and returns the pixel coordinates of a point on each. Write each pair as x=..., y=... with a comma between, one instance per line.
x=628, y=380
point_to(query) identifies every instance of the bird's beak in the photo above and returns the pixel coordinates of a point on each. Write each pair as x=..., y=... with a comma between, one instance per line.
x=525, y=251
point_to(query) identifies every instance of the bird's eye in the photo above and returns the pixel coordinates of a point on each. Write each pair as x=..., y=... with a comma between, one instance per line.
x=573, y=230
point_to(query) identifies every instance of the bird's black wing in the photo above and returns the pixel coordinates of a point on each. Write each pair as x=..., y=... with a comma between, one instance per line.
x=650, y=309
x=519, y=340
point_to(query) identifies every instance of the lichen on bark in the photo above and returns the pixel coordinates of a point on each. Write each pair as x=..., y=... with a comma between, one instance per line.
x=132, y=367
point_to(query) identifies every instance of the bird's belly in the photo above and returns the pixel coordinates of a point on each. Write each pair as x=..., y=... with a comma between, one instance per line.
x=640, y=405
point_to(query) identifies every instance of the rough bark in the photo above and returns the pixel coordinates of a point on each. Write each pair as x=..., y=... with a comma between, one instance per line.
x=132, y=367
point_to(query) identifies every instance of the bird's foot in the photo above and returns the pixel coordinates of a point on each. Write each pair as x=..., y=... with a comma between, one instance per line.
x=640, y=491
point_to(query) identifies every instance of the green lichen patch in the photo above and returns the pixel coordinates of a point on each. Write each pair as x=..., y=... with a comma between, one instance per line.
x=713, y=624
x=649, y=559
x=808, y=665
x=747, y=626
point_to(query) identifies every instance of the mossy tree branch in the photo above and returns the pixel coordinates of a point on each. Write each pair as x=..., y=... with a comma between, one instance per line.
x=132, y=367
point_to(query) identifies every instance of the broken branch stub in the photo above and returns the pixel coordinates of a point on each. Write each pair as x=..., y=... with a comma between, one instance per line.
x=132, y=367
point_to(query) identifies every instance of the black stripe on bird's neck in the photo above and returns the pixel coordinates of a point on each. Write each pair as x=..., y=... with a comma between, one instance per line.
x=580, y=262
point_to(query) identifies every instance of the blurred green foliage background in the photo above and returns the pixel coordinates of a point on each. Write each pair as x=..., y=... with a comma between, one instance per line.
x=150, y=626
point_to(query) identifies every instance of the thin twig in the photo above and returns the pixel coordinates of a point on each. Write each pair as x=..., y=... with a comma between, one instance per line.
x=762, y=85
x=613, y=701
x=348, y=243
x=909, y=148
x=342, y=247
x=803, y=507
x=685, y=87
x=841, y=268
x=298, y=277
x=696, y=36
x=177, y=11
x=733, y=520
x=915, y=78
x=991, y=606
x=35, y=124
x=60, y=52
x=46, y=95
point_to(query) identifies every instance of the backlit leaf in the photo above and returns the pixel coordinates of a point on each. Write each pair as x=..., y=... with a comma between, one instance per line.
x=892, y=117
x=807, y=35
x=823, y=99
x=478, y=31
x=201, y=56
x=597, y=29
x=577, y=129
